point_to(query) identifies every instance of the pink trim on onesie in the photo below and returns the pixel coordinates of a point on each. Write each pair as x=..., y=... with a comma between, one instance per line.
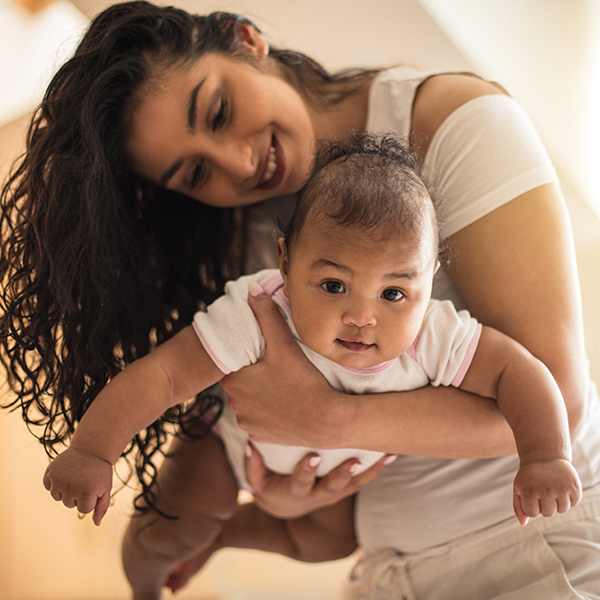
x=412, y=351
x=273, y=285
x=220, y=365
x=466, y=363
x=370, y=370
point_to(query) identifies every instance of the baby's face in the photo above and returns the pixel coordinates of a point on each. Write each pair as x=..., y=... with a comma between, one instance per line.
x=356, y=298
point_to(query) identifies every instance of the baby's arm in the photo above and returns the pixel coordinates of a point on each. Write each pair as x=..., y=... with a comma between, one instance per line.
x=175, y=372
x=531, y=402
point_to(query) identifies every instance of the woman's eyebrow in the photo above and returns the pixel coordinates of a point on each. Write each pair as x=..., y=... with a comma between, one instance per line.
x=191, y=119
x=193, y=106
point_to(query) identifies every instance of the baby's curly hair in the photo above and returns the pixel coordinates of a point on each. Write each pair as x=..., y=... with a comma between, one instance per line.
x=367, y=181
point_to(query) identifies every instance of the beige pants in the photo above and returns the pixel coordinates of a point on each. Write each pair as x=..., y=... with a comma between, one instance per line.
x=554, y=558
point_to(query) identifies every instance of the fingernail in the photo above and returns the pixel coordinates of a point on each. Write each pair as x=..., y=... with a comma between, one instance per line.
x=255, y=289
x=354, y=467
x=248, y=450
x=314, y=461
x=390, y=459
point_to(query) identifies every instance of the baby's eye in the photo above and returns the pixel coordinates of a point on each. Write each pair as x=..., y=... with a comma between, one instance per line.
x=392, y=295
x=333, y=287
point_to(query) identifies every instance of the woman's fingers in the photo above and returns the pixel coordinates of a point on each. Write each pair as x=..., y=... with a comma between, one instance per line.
x=302, y=492
x=343, y=482
x=304, y=476
x=272, y=324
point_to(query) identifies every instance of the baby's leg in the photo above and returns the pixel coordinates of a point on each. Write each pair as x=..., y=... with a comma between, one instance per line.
x=326, y=534
x=197, y=485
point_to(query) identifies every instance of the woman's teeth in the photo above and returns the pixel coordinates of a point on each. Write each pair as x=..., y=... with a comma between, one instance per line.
x=272, y=166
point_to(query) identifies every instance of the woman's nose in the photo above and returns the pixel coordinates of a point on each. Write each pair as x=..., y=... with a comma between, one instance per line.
x=237, y=159
x=360, y=314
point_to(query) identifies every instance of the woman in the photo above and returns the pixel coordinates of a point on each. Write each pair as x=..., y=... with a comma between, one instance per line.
x=106, y=251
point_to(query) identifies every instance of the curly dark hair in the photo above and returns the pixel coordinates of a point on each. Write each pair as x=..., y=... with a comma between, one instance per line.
x=98, y=266
x=367, y=181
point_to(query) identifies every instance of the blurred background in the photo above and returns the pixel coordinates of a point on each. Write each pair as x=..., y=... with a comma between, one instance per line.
x=546, y=53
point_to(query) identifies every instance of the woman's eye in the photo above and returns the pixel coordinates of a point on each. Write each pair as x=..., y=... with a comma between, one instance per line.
x=333, y=287
x=197, y=175
x=392, y=295
x=221, y=115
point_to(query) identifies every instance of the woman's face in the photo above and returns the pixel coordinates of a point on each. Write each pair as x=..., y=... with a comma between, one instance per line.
x=222, y=131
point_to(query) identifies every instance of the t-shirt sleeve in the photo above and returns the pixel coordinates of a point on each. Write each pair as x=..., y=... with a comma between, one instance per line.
x=228, y=330
x=484, y=154
x=446, y=343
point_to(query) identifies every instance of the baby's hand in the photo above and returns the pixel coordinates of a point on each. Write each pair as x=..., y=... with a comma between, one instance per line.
x=545, y=487
x=80, y=480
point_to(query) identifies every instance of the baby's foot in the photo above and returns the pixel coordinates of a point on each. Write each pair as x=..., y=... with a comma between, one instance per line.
x=182, y=573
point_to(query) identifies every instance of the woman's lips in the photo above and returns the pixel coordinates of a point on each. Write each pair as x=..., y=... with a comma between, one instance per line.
x=355, y=346
x=277, y=175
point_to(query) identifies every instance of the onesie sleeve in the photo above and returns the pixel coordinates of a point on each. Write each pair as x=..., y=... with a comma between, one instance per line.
x=484, y=154
x=228, y=329
x=446, y=343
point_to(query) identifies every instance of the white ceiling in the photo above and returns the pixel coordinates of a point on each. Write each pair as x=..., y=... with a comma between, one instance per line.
x=32, y=46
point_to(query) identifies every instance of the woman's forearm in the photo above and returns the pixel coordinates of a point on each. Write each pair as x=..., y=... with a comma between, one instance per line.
x=442, y=422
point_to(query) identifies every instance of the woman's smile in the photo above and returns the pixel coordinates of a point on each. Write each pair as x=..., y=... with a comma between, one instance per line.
x=273, y=169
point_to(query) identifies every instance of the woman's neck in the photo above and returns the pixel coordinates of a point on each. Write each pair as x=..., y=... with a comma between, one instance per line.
x=349, y=114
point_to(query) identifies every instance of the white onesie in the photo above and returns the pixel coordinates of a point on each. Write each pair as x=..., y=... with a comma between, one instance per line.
x=230, y=333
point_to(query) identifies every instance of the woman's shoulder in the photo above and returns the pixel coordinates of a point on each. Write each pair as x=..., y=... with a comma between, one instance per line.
x=415, y=102
x=439, y=95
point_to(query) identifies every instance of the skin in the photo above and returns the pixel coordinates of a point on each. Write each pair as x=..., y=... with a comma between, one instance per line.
x=240, y=110
x=529, y=235
x=358, y=304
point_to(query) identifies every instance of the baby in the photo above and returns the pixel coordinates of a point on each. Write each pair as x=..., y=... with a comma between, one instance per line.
x=356, y=270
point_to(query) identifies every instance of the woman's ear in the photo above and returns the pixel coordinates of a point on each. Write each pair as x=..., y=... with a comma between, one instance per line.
x=253, y=42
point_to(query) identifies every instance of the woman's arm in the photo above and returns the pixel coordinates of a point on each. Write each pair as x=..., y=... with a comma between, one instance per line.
x=516, y=269
x=516, y=266
x=524, y=282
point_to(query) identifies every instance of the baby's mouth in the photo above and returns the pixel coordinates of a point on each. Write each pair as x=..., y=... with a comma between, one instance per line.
x=355, y=346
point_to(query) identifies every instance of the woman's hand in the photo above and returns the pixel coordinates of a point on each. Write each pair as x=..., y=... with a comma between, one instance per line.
x=295, y=495
x=282, y=399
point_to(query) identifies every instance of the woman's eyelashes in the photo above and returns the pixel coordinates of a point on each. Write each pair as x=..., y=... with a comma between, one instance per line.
x=220, y=116
x=197, y=174
x=218, y=121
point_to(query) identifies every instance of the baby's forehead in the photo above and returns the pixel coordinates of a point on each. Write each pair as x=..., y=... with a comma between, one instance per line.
x=322, y=230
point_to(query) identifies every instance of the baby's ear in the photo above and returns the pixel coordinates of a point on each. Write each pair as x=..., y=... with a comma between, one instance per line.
x=284, y=263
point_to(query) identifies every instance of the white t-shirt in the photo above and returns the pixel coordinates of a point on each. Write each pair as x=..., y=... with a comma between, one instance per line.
x=440, y=355
x=484, y=154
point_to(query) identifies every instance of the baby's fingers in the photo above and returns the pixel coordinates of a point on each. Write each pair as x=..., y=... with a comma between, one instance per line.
x=102, y=505
x=518, y=508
